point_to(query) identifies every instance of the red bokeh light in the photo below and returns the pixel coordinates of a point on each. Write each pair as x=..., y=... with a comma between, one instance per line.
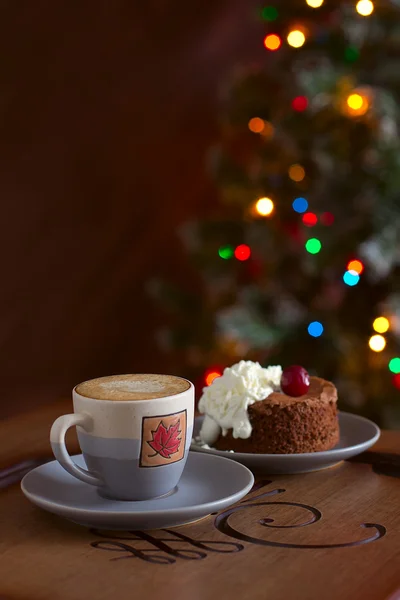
x=299, y=103
x=396, y=380
x=210, y=375
x=327, y=218
x=242, y=252
x=355, y=265
x=310, y=219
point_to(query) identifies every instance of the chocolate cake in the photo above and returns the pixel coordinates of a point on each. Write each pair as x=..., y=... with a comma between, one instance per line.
x=282, y=424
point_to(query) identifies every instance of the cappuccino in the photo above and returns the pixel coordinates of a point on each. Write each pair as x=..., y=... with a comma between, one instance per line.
x=132, y=387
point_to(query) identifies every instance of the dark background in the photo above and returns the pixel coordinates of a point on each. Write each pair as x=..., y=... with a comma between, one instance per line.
x=107, y=110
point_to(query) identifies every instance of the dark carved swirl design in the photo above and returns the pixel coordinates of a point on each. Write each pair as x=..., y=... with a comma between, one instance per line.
x=132, y=552
x=166, y=550
x=316, y=516
x=162, y=550
x=222, y=524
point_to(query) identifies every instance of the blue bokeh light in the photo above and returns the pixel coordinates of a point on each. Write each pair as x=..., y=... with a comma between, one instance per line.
x=351, y=278
x=315, y=329
x=300, y=205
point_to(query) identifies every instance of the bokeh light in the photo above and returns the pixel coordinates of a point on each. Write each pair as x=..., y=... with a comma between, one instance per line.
x=296, y=38
x=377, y=343
x=264, y=207
x=364, y=7
x=310, y=219
x=351, y=278
x=269, y=13
x=327, y=218
x=394, y=365
x=212, y=374
x=315, y=3
x=300, y=205
x=268, y=130
x=381, y=325
x=354, y=101
x=299, y=103
x=313, y=246
x=296, y=173
x=357, y=104
x=272, y=42
x=396, y=380
x=315, y=329
x=225, y=252
x=351, y=54
x=256, y=125
x=242, y=252
x=355, y=265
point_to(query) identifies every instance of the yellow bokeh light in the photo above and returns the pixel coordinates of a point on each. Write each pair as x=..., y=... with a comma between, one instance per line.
x=256, y=125
x=355, y=101
x=296, y=173
x=315, y=3
x=357, y=104
x=264, y=207
x=377, y=343
x=381, y=324
x=296, y=38
x=364, y=8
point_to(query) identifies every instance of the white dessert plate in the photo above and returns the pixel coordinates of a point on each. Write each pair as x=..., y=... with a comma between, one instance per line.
x=357, y=434
x=208, y=484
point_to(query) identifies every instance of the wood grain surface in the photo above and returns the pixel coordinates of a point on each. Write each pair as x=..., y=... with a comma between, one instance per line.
x=326, y=535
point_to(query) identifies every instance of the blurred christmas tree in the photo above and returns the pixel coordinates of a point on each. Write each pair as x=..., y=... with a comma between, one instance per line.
x=300, y=258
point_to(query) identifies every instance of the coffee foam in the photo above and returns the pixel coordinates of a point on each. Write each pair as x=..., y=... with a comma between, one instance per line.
x=132, y=387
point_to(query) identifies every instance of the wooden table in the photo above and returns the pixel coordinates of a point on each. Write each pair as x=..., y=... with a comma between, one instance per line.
x=334, y=535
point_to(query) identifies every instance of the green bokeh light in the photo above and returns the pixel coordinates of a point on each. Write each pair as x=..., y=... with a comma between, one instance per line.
x=313, y=246
x=351, y=54
x=226, y=252
x=394, y=365
x=269, y=13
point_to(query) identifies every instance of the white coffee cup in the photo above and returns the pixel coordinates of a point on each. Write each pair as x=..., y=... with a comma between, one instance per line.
x=135, y=448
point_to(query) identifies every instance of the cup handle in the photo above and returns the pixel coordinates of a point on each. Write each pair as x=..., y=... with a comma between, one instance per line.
x=57, y=440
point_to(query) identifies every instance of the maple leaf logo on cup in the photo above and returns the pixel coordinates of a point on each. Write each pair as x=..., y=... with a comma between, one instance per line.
x=166, y=441
x=163, y=439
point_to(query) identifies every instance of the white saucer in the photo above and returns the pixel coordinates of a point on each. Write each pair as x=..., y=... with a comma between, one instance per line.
x=208, y=484
x=357, y=434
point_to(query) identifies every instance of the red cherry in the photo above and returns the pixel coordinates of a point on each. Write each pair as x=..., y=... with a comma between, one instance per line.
x=295, y=381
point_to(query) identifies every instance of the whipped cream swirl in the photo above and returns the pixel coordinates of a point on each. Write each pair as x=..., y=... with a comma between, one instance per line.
x=225, y=401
